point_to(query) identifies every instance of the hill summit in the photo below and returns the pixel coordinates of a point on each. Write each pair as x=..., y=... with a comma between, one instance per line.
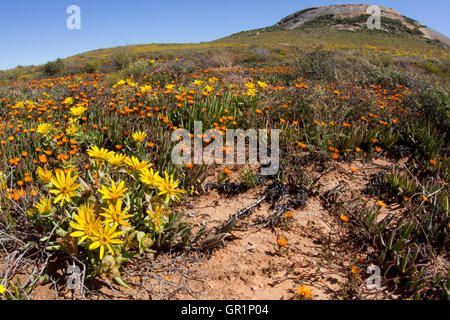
x=354, y=17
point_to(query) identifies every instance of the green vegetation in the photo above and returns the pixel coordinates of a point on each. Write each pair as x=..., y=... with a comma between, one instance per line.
x=54, y=68
x=86, y=150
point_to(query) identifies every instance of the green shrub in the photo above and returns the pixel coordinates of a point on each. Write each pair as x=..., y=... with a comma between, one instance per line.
x=432, y=103
x=54, y=68
x=430, y=67
x=139, y=69
x=123, y=57
x=93, y=66
x=315, y=64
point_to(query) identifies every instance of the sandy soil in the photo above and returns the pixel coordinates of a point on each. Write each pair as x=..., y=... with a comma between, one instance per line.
x=250, y=264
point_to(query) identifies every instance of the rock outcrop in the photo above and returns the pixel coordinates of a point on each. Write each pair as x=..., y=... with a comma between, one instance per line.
x=297, y=19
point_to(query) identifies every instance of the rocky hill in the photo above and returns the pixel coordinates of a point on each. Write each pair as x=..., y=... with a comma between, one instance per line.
x=354, y=17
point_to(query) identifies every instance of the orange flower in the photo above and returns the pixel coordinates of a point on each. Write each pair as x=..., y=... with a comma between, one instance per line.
x=288, y=214
x=24, y=154
x=356, y=270
x=433, y=162
x=43, y=158
x=335, y=156
x=378, y=149
x=354, y=170
x=189, y=165
x=14, y=162
x=62, y=157
x=381, y=204
x=344, y=218
x=302, y=145
x=258, y=111
x=282, y=242
x=227, y=171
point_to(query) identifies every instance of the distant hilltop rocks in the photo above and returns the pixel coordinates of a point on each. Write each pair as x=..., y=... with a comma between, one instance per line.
x=342, y=11
x=339, y=14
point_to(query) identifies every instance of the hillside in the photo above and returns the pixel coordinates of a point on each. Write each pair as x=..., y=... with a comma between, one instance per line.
x=340, y=27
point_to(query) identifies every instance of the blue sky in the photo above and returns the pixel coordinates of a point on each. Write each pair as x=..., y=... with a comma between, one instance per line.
x=34, y=32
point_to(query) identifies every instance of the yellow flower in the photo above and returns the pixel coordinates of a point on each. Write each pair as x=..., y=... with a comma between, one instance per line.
x=77, y=111
x=72, y=130
x=157, y=217
x=139, y=136
x=44, y=206
x=145, y=89
x=44, y=175
x=115, y=192
x=120, y=83
x=252, y=92
x=2, y=289
x=131, y=83
x=136, y=165
x=103, y=237
x=149, y=177
x=44, y=128
x=198, y=82
x=85, y=223
x=114, y=214
x=117, y=159
x=102, y=153
x=304, y=292
x=68, y=101
x=20, y=104
x=168, y=187
x=262, y=84
x=65, y=186
x=250, y=85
